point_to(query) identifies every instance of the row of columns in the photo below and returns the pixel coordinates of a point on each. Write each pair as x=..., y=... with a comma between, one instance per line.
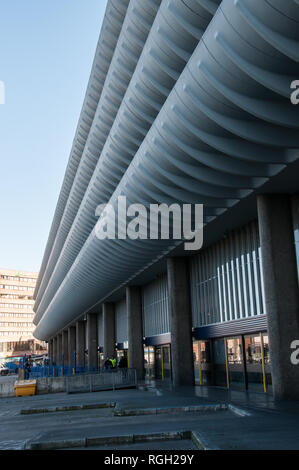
x=281, y=297
x=72, y=341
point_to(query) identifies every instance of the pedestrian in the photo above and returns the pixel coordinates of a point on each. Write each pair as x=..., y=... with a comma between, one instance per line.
x=113, y=363
x=107, y=364
x=122, y=365
x=27, y=369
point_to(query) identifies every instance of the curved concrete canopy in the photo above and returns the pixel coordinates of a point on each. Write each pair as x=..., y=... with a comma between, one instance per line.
x=134, y=32
x=226, y=127
x=112, y=23
x=164, y=55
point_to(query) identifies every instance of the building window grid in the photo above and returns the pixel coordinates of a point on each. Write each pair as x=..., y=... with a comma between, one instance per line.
x=13, y=287
x=18, y=306
x=121, y=321
x=16, y=297
x=17, y=278
x=155, y=308
x=14, y=315
x=15, y=333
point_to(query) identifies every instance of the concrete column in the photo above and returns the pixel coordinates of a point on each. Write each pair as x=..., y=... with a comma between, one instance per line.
x=54, y=350
x=51, y=352
x=59, y=350
x=71, y=345
x=92, y=338
x=109, y=329
x=80, y=342
x=100, y=330
x=135, y=330
x=281, y=290
x=180, y=317
x=65, y=351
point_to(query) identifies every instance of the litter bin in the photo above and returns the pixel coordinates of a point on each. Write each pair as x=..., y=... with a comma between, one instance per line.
x=25, y=388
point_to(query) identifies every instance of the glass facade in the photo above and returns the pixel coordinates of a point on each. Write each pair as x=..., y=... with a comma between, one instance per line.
x=226, y=279
x=258, y=362
x=149, y=362
x=155, y=308
x=122, y=353
x=163, y=362
x=237, y=363
x=157, y=362
x=202, y=362
x=219, y=363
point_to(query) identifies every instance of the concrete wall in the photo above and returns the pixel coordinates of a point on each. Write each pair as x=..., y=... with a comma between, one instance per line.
x=7, y=387
x=44, y=385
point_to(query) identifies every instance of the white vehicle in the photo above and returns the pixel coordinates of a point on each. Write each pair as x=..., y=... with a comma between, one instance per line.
x=3, y=370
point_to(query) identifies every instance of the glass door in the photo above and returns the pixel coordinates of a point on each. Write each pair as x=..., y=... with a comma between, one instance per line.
x=149, y=362
x=166, y=361
x=101, y=359
x=258, y=362
x=220, y=363
x=122, y=353
x=236, y=372
x=158, y=362
x=228, y=363
x=163, y=362
x=202, y=362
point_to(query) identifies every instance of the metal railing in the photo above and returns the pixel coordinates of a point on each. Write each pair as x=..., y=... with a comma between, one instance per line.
x=105, y=380
x=87, y=379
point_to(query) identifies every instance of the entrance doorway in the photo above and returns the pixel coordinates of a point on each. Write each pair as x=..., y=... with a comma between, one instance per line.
x=157, y=362
x=237, y=362
x=163, y=362
x=149, y=362
x=202, y=362
x=258, y=362
x=122, y=353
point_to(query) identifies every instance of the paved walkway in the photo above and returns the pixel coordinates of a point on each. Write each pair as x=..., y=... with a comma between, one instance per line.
x=269, y=425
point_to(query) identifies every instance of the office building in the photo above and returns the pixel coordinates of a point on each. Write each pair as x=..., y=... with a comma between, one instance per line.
x=16, y=313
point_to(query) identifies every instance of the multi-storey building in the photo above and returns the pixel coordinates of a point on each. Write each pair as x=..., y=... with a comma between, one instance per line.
x=189, y=101
x=16, y=313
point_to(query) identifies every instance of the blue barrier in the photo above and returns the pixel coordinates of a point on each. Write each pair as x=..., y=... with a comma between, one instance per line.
x=60, y=371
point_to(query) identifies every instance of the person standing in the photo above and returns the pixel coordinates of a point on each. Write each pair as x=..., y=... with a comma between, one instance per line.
x=113, y=363
x=27, y=369
x=122, y=365
x=107, y=364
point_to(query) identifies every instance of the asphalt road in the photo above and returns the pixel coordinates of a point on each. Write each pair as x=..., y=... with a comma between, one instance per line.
x=269, y=426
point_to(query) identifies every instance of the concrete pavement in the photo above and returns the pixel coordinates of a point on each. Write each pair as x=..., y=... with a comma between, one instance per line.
x=265, y=425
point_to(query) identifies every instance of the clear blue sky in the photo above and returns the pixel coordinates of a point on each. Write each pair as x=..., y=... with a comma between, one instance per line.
x=46, y=53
